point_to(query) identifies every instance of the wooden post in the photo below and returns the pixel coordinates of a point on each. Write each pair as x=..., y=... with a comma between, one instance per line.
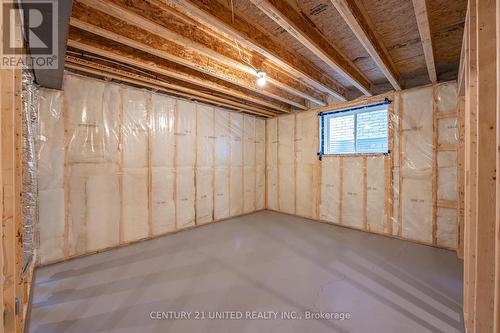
x=121, y=172
x=389, y=169
x=470, y=168
x=230, y=155
x=460, y=177
x=496, y=327
x=8, y=199
x=278, y=163
x=486, y=165
x=18, y=205
x=149, y=124
x=401, y=163
x=174, y=117
x=365, y=194
x=341, y=187
x=434, y=166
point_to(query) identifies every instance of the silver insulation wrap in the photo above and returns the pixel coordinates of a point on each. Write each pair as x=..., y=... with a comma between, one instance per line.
x=29, y=166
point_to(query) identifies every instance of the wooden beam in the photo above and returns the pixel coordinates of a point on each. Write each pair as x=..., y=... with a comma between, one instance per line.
x=302, y=30
x=461, y=176
x=353, y=16
x=420, y=7
x=8, y=199
x=461, y=66
x=174, y=27
x=125, y=76
x=124, y=33
x=221, y=19
x=470, y=208
x=486, y=165
x=496, y=327
x=161, y=68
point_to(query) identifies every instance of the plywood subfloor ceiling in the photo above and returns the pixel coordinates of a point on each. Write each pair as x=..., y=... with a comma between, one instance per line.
x=314, y=52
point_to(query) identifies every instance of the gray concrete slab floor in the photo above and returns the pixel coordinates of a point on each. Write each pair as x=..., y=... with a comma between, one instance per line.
x=286, y=271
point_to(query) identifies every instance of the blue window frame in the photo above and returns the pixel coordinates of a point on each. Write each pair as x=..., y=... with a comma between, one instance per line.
x=358, y=130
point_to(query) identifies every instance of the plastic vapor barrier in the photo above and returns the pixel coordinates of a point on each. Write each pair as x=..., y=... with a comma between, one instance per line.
x=416, y=164
x=51, y=198
x=307, y=164
x=119, y=164
x=410, y=193
x=286, y=164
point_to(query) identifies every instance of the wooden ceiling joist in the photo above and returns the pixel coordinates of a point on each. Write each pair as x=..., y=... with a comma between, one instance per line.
x=302, y=30
x=122, y=32
x=356, y=21
x=421, y=14
x=187, y=34
x=125, y=76
x=219, y=18
x=130, y=59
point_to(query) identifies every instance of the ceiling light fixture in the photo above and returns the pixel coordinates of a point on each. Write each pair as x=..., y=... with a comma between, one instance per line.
x=261, y=79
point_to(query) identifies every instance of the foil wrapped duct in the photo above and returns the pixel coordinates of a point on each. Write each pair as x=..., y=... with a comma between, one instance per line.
x=29, y=167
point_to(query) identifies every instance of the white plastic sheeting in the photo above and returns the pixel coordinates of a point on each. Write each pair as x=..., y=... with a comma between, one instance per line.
x=236, y=169
x=222, y=164
x=135, y=164
x=307, y=164
x=91, y=125
x=376, y=215
x=138, y=164
x=162, y=164
x=364, y=191
x=51, y=174
x=204, y=163
x=286, y=164
x=416, y=164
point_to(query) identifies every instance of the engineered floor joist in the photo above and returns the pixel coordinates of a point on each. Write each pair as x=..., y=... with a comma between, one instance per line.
x=265, y=261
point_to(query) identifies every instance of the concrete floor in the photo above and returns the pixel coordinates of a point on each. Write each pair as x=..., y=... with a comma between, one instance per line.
x=261, y=262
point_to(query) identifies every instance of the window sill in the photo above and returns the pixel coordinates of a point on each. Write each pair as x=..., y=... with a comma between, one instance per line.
x=356, y=155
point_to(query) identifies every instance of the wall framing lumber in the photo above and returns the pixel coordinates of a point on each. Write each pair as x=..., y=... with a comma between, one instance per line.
x=8, y=200
x=470, y=167
x=220, y=19
x=353, y=16
x=174, y=164
x=389, y=172
x=486, y=165
x=66, y=176
x=341, y=189
x=461, y=176
x=149, y=110
x=421, y=13
x=434, y=165
x=302, y=30
x=365, y=194
x=121, y=143
x=3, y=247
x=496, y=325
x=15, y=282
x=400, y=164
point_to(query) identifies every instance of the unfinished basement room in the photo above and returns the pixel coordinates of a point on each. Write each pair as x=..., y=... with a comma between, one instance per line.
x=232, y=166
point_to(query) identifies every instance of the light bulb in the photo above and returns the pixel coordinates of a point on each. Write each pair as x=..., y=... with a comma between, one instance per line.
x=261, y=79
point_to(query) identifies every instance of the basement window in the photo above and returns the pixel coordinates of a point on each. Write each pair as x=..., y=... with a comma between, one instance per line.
x=357, y=130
